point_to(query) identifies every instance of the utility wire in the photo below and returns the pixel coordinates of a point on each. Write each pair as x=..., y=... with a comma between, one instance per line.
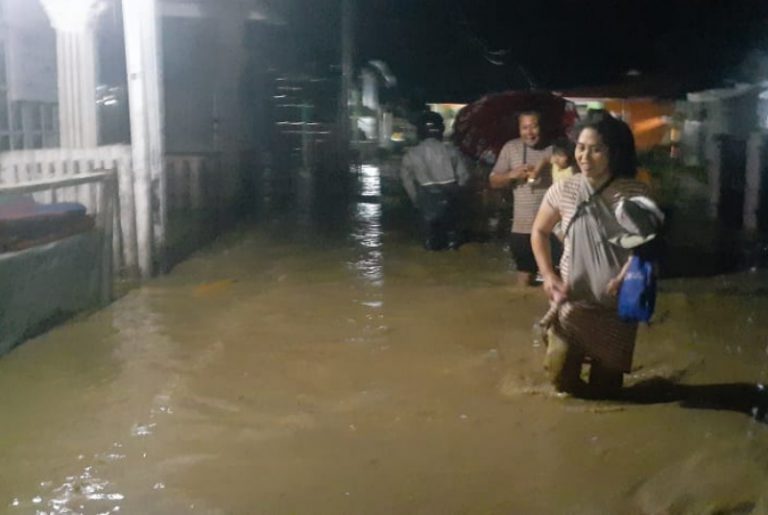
x=497, y=57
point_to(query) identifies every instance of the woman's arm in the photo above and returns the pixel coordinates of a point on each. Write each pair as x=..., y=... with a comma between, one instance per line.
x=615, y=283
x=545, y=220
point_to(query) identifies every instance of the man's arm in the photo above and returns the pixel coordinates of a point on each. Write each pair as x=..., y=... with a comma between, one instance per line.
x=408, y=178
x=502, y=174
x=543, y=164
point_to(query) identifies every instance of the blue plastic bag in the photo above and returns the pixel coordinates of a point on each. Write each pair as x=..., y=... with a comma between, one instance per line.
x=637, y=295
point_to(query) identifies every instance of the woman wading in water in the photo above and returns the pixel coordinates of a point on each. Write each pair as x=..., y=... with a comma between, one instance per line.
x=584, y=324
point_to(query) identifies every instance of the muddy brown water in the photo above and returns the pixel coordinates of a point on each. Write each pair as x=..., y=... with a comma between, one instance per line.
x=293, y=371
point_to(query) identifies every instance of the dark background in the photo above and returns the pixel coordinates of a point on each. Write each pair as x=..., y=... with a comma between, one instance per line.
x=447, y=50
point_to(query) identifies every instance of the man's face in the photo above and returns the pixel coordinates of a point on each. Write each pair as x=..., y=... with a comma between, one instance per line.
x=529, y=129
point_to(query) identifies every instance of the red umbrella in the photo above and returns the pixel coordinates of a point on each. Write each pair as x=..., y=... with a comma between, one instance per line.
x=482, y=127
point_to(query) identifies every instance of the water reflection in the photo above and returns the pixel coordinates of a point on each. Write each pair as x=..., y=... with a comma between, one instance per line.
x=370, y=181
x=368, y=264
x=76, y=493
x=368, y=225
x=137, y=346
x=299, y=359
x=367, y=232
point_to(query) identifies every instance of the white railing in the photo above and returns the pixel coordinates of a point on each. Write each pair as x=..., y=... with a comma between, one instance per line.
x=192, y=183
x=25, y=166
x=61, y=164
x=101, y=186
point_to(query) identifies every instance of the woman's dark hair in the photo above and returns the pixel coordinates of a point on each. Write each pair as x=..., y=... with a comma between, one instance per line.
x=617, y=136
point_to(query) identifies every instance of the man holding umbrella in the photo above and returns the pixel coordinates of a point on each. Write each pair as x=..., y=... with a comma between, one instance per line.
x=518, y=166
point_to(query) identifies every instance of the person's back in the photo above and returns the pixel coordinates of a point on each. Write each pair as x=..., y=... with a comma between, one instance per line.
x=432, y=173
x=432, y=162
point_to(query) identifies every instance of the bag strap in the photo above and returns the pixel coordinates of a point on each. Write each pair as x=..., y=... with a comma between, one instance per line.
x=584, y=203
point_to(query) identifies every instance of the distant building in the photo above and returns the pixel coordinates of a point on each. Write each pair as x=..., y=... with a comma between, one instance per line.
x=646, y=105
x=731, y=112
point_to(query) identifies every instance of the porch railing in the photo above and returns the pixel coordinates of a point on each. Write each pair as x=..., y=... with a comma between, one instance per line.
x=192, y=186
x=100, y=187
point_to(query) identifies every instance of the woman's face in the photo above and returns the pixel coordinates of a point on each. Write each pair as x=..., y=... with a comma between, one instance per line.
x=592, y=154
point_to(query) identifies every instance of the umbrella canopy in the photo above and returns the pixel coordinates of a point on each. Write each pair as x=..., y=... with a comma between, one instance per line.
x=482, y=127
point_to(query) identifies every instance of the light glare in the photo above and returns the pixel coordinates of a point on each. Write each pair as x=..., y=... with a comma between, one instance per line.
x=73, y=15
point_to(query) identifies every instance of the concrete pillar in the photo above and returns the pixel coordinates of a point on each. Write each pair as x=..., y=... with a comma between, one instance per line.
x=754, y=177
x=74, y=22
x=141, y=25
x=714, y=174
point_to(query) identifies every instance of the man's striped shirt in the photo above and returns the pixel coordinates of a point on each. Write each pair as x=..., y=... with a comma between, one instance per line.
x=528, y=196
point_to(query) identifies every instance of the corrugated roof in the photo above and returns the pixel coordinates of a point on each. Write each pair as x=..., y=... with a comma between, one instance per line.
x=637, y=87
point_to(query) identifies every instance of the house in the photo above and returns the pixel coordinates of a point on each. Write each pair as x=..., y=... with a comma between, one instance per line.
x=137, y=200
x=646, y=104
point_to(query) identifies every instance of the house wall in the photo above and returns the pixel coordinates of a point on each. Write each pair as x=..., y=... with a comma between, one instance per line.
x=28, y=112
x=31, y=52
x=189, y=57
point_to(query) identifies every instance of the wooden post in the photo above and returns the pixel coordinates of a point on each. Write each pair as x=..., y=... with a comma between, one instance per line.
x=128, y=213
x=755, y=165
x=195, y=183
x=347, y=63
x=144, y=69
x=107, y=201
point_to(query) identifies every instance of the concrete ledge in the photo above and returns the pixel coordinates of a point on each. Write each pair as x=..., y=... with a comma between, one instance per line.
x=45, y=284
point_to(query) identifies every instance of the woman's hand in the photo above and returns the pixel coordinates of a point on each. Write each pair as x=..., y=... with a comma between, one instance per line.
x=556, y=289
x=545, y=220
x=614, y=285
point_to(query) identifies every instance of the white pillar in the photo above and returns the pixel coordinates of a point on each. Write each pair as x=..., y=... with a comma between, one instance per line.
x=73, y=21
x=141, y=24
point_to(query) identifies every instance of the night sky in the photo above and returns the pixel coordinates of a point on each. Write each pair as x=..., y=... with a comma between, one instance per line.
x=457, y=50
x=445, y=49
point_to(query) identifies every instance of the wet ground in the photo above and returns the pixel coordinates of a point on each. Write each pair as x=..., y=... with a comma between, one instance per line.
x=304, y=367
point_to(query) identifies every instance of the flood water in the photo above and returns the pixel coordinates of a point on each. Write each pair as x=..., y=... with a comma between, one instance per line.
x=301, y=367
